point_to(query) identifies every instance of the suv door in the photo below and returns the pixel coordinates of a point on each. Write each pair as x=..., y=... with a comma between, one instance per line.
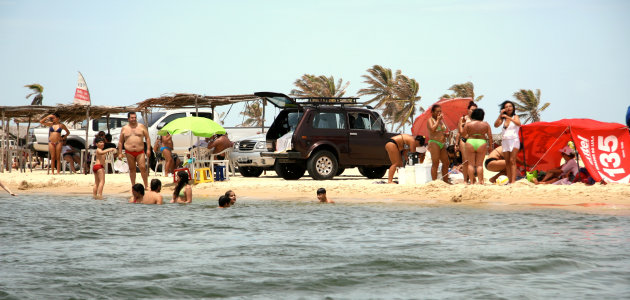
x=328, y=126
x=366, y=140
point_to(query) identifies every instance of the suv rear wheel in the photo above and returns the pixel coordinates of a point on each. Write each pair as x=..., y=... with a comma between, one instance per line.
x=250, y=171
x=373, y=172
x=322, y=165
x=289, y=171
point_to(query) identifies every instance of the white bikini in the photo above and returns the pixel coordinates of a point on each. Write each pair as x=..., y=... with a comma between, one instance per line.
x=510, y=139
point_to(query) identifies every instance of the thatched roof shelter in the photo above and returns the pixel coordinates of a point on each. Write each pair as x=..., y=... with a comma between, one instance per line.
x=193, y=100
x=68, y=113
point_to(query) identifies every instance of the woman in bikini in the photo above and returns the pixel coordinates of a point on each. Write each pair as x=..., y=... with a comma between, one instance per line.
x=437, y=139
x=461, y=140
x=397, y=149
x=479, y=139
x=510, y=141
x=54, y=139
x=183, y=190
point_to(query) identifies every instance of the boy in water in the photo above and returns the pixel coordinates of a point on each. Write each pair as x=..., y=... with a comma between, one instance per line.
x=99, y=171
x=137, y=193
x=154, y=196
x=321, y=196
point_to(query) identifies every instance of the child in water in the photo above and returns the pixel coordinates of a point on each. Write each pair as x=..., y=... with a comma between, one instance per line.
x=228, y=199
x=99, y=171
x=153, y=196
x=137, y=193
x=321, y=196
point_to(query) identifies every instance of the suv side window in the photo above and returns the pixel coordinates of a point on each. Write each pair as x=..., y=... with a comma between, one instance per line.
x=172, y=117
x=202, y=114
x=361, y=121
x=329, y=120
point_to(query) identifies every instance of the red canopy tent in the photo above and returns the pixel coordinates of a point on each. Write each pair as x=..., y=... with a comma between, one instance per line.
x=603, y=147
x=452, y=110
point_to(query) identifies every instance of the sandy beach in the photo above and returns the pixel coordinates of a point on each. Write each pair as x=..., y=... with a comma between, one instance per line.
x=349, y=187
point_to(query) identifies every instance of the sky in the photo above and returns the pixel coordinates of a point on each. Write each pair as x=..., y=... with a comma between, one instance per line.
x=576, y=52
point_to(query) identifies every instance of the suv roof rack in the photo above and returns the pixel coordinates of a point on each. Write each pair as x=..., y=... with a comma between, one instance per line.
x=327, y=101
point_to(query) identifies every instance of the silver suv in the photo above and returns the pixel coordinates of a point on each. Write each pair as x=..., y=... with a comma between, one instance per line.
x=246, y=154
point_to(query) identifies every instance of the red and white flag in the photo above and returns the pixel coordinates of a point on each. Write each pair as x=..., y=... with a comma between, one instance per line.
x=82, y=94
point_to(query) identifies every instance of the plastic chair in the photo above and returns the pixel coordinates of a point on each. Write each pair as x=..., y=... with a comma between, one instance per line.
x=203, y=175
x=227, y=162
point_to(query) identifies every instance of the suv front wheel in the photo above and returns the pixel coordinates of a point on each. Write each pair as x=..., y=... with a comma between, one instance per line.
x=250, y=171
x=289, y=171
x=322, y=165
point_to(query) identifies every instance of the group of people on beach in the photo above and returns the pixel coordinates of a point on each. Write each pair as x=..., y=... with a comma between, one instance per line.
x=474, y=141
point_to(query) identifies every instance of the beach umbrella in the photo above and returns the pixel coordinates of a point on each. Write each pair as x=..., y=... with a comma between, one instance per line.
x=199, y=126
x=452, y=112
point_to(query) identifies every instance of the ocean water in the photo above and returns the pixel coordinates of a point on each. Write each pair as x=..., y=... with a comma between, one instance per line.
x=54, y=247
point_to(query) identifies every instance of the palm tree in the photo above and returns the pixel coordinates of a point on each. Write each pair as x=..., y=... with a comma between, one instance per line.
x=319, y=86
x=37, y=90
x=527, y=105
x=220, y=118
x=407, y=93
x=253, y=114
x=382, y=85
x=463, y=90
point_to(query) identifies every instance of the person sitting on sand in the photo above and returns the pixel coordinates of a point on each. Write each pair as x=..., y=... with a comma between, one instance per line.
x=6, y=188
x=567, y=170
x=437, y=140
x=321, y=196
x=153, y=196
x=496, y=163
x=70, y=155
x=228, y=199
x=183, y=190
x=397, y=149
x=137, y=193
x=99, y=169
x=478, y=136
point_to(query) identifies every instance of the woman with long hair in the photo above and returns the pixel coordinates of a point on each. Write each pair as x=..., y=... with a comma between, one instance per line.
x=510, y=141
x=397, y=149
x=462, y=138
x=54, y=139
x=477, y=144
x=437, y=142
x=183, y=190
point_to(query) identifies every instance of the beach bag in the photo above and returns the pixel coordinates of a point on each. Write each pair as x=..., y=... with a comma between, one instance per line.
x=120, y=166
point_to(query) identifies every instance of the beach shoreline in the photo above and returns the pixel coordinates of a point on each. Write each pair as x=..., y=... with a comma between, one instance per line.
x=350, y=187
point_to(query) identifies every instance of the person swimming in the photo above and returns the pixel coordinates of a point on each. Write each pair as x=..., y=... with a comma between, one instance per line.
x=137, y=193
x=228, y=199
x=321, y=196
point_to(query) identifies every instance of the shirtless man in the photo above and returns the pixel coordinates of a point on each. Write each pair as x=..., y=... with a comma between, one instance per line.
x=131, y=138
x=166, y=148
x=153, y=196
x=220, y=143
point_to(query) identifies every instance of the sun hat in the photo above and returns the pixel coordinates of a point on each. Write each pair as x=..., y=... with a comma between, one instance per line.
x=566, y=150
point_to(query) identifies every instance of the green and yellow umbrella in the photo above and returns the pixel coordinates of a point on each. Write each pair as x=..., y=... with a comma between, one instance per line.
x=199, y=126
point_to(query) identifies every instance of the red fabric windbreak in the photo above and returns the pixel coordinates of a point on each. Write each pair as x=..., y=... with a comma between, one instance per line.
x=604, y=148
x=452, y=111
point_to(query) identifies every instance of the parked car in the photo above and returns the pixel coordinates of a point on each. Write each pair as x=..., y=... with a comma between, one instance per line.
x=246, y=155
x=325, y=135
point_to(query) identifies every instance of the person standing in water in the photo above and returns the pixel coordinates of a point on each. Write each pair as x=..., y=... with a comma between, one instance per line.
x=397, y=149
x=54, y=139
x=321, y=196
x=132, y=138
x=479, y=140
x=437, y=140
x=510, y=141
x=461, y=140
x=183, y=190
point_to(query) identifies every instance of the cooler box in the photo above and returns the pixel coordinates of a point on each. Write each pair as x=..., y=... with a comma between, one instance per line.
x=407, y=175
x=423, y=173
